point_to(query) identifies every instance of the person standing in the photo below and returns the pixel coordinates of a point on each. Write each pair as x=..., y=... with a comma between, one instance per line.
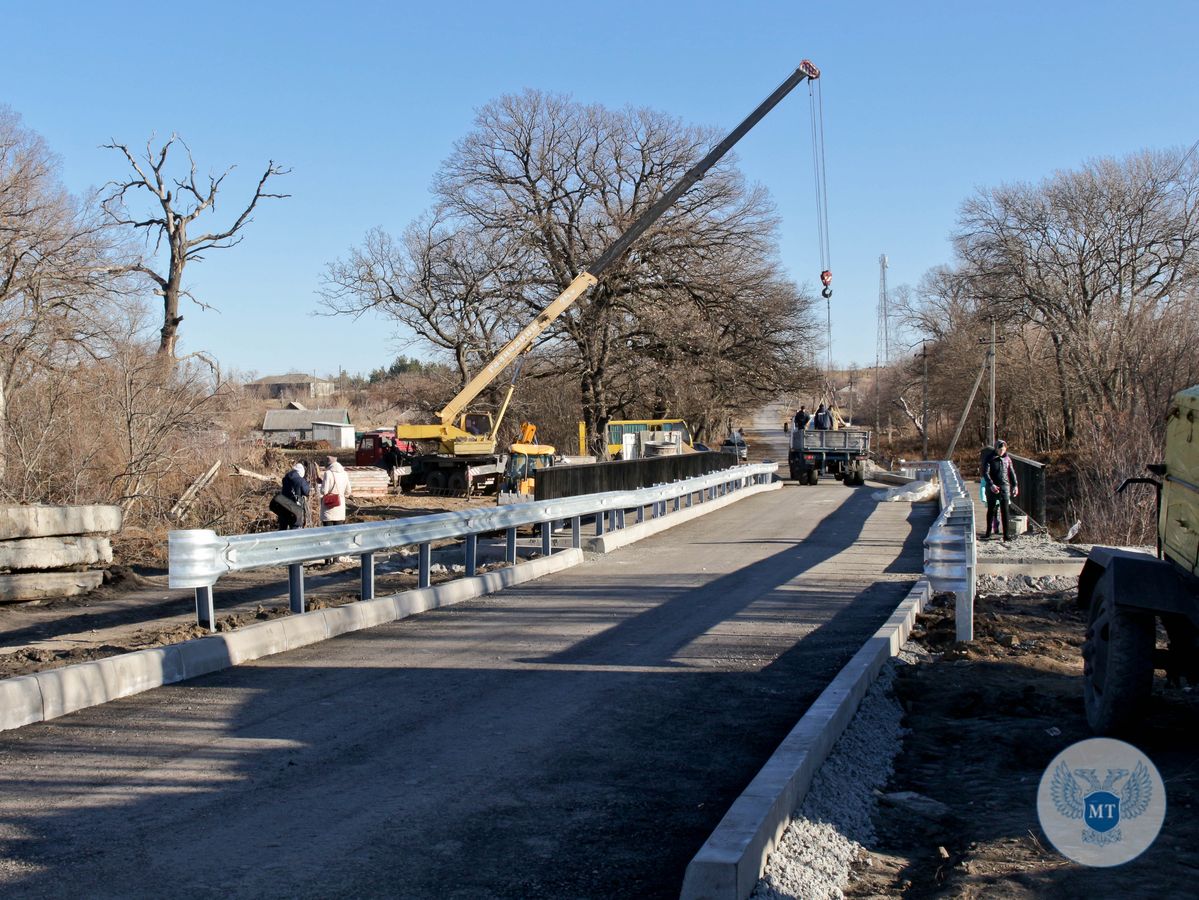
x=335, y=488
x=823, y=420
x=296, y=489
x=801, y=418
x=1001, y=488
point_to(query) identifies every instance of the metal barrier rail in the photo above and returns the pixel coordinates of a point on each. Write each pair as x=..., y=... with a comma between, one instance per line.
x=950, y=549
x=199, y=557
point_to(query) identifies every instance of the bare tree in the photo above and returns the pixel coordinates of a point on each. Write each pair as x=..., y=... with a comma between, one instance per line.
x=1093, y=258
x=59, y=266
x=176, y=203
x=538, y=190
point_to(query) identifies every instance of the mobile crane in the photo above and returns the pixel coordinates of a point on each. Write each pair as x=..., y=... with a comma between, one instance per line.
x=466, y=452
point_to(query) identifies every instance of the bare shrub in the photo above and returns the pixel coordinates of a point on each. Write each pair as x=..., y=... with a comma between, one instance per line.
x=1110, y=448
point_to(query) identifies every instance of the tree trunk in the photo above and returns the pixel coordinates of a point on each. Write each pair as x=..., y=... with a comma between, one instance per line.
x=1063, y=389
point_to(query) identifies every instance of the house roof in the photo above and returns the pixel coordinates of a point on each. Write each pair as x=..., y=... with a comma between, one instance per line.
x=302, y=419
x=292, y=378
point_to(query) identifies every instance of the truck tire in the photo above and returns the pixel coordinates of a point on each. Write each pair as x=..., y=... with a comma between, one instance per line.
x=797, y=474
x=813, y=476
x=457, y=482
x=435, y=480
x=1117, y=661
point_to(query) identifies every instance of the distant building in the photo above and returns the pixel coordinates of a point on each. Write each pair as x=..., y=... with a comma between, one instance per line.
x=285, y=426
x=296, y=384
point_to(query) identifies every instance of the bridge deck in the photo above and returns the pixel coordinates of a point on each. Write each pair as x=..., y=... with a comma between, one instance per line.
x=578, y=736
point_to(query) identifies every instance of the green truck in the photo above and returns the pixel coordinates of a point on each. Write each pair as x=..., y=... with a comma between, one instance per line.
x=1126, y=593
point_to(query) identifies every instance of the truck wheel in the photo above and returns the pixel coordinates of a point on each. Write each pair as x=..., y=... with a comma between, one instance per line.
x=457, y=483
x=435, y=481
x=813, y=476
x=796, y=475
x=1117, y=661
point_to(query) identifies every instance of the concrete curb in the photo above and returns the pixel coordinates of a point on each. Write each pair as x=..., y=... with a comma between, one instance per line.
x=1034, y=569
x=56, y=692
x=733, y=858
x=622, y=537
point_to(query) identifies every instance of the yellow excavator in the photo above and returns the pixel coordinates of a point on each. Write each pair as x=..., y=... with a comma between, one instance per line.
x=466, y=455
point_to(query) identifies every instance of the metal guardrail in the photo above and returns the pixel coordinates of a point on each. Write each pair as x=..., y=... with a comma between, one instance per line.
x=950, y=549
x=199, y=557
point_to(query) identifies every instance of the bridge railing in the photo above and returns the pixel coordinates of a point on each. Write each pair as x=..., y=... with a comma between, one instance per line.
x=950, y=549
x=200, y=557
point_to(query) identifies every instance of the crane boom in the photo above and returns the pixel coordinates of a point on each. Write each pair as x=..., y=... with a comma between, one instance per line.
x=590, y=275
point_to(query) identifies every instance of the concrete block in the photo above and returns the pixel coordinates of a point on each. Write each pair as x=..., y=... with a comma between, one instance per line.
x=253, y=641
x=304, y=629
x=72, y=687
x=204, y=655
x=47, y=585
x=55, y=552
x=45, y=521
x=20, y=702
x=87, y=684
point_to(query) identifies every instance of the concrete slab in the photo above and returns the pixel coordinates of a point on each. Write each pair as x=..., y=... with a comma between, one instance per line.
x=44, y=521
x=55, y=552
x=26, y=586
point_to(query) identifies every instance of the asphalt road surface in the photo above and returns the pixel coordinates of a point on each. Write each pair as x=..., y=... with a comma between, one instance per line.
x=578, y=736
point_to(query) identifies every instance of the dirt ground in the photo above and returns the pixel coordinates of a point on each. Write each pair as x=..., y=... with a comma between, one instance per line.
x=985, y=719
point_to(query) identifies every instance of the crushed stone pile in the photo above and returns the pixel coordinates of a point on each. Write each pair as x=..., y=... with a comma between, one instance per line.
x=1025, y=584
x=813, y=858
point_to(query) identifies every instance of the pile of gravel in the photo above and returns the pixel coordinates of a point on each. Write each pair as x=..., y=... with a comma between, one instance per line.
x=1030, y=546
x=1025, y=584
x=813, y=858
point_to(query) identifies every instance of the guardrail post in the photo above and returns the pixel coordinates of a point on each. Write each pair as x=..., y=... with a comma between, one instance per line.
x=205, y=617
x=472, y=555
x=640, y=514
x=547, y=538
x=510, y=547
x=576, y=532
x=295, y=587
x=367, y=591
x=678, y=503
x=620, y=518
x=424, y=573
x=599, y=523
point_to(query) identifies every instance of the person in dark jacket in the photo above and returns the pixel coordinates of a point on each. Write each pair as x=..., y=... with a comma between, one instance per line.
x=296, y=489
x=801, y=418
x=1001, y=484
x=823, y=420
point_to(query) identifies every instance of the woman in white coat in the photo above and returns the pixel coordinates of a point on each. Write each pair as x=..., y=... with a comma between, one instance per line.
x=335, y=488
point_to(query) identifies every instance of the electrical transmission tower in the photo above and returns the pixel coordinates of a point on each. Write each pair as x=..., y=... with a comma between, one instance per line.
x=882, y=350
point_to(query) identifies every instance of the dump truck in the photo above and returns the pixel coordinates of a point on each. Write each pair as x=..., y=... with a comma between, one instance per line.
x=840, y=452
x=1126, y=593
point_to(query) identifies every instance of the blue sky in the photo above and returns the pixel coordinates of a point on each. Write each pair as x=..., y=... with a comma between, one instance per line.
x=924, y=103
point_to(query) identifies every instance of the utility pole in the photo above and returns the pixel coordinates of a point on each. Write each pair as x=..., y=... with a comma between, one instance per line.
x=924, y=403
x=991, y=344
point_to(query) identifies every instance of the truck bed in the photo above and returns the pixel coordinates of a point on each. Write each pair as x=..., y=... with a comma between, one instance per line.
x=851, y=440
